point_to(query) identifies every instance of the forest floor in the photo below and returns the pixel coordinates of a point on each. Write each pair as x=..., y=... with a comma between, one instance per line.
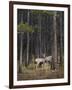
x=40, y=73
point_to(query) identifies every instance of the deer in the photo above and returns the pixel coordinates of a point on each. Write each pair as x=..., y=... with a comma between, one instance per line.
x=45, y=59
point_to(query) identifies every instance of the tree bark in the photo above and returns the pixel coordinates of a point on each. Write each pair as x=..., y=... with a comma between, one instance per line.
x=28, y=39
x=40, y=33
x=61, y=44
x=21, y=42
x=55, y=42
x=21, y=47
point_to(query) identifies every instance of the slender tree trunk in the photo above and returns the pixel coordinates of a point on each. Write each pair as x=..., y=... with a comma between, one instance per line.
x=28, y=39
x=52, y=44
x=21, y=41
x=55, y=42
x=61, y=44
x=38, y=46
x=44, y=45
x=21, y=45
x=40, y=33
x=37, y=39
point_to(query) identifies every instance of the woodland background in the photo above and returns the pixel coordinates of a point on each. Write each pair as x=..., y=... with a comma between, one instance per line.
x=40, y=34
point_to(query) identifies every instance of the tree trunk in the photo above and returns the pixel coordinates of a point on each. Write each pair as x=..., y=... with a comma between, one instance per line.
x=40, y=33
x=21, y=45
x=37, y=46
x=21, y=42
x=28, y=39
x=55, y=42
x=61, y=44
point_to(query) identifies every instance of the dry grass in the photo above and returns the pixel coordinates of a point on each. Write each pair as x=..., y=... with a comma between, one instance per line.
x=44, y=72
